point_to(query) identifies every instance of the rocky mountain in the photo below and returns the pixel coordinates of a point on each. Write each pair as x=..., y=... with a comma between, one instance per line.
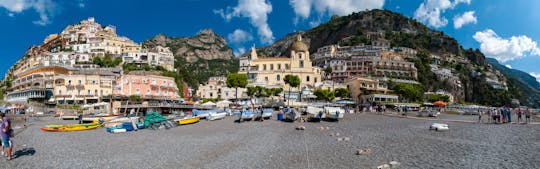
x=524, y=81
x=198, y=57
x=474, y=72
x=205, y=45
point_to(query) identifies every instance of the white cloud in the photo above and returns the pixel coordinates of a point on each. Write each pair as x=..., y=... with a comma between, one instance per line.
x=257, y=11
x=239, y=51
x=302, y=8
x=45, y=8
x=535, y=75
x=239, y=36
x=465, y=18
x=508, y=66
x=515, y=47
x=430, y=11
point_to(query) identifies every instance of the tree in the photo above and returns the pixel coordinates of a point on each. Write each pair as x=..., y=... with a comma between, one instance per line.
x=412, y=92
x=438, y=97
x=324, y=94
x=292, y=81
x=341, y=92
x=97, y=61
x=237, y=80
x=327, y=71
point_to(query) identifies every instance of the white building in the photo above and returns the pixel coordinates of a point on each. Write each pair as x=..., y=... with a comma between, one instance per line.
x=217, y=88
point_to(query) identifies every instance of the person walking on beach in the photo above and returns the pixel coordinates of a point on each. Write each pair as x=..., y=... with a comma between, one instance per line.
x=479, y=116
x=496, y=116
x=510, y=111
x=527, y=116
x=519, y=113
x=6, y=132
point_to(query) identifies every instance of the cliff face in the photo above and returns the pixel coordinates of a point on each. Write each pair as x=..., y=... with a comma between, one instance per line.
x=198, y=57
x=206, y=45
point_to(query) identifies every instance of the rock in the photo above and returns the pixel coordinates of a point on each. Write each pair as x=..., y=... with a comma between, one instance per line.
x=300, y=128
x=363, y=151
x=384, y=166
x=331, y=135
x=327, y=128
x=347, y=139
x=337, y=134
x=394, y=164
x=339, y=139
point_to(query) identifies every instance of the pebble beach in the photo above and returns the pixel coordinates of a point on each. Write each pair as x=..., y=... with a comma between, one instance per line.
x=276, y=144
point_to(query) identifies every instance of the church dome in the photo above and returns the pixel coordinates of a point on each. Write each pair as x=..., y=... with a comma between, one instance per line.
x=298, y=45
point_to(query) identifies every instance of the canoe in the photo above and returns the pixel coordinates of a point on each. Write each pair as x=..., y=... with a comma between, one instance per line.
x=70, y=127
x=216, y=116
x=189, y=120
x=96, y=119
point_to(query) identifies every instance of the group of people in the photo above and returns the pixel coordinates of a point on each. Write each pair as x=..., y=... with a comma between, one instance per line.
x=504, y=115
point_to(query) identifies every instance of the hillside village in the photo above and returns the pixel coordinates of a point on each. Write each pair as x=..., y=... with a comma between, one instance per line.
x=88, y=63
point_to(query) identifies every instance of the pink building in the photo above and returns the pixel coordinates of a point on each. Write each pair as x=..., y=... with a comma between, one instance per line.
x=148, y=87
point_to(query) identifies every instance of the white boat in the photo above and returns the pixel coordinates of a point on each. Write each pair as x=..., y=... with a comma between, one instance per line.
x=216, y=116
x=315, y=113
x=267, y=113
x=439, y=127
x=291, y=115
x=247, y=115
x=334, y=113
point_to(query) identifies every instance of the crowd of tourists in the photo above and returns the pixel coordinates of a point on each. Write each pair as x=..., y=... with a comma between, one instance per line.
x=504, y=115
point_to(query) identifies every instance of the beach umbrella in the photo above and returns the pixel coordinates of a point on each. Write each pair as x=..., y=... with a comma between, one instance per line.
x=439, y=103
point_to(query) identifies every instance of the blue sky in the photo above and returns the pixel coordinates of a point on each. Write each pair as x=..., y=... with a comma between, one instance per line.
x=506, y=30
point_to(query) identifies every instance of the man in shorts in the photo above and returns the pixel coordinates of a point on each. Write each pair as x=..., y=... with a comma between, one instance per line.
x=6, y=133
x=527, y=116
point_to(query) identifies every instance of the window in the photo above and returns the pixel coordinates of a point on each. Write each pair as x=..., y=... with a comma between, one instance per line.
x=79, y=92
x=307, y=78
x=211, y=94
x=93, y=82
x=101, y=93
x=147, y=91
x=278, y=77
x=69, y=82
x=88, y=91
x=138, y=91
x=301, y=63
x=59, y=92
x=79, y=82
x=266, y=78
x=315, y=80
x=279, y=66
x=287, y=67
x=95, y=92
x=272, y=67
x=264, y=66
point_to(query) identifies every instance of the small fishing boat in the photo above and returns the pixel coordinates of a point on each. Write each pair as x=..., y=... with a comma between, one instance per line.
x=69, y=117
x=247, y=115
x=334, y=113
x=203, y=114
x=267, y=113
x=315, y=114
x=216, y=116
x=188, y=120
x=70, y=127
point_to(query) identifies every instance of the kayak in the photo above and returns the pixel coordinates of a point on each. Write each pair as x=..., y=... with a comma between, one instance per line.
x=70, y=127
x=189, y=120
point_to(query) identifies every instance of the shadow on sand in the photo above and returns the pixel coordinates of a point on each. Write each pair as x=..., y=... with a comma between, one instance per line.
x=24, y=152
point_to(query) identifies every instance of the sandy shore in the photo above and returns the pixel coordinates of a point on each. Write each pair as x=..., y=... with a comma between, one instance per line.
x=274, y=144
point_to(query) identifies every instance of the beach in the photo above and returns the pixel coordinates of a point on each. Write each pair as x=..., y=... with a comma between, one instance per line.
x=276, y=144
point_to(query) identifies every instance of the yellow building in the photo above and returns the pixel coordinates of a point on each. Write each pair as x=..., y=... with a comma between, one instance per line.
x=364, y=86
x=84, y=87
x=270, y=71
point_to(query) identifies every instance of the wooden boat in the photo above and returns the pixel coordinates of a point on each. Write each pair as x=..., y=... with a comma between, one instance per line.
x=216, y=116
x=188, y=120
x=70, y=127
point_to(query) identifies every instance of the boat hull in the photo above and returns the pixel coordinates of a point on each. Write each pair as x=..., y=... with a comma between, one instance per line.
x=70, y=127
x=189, y=120
x=216, y=116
